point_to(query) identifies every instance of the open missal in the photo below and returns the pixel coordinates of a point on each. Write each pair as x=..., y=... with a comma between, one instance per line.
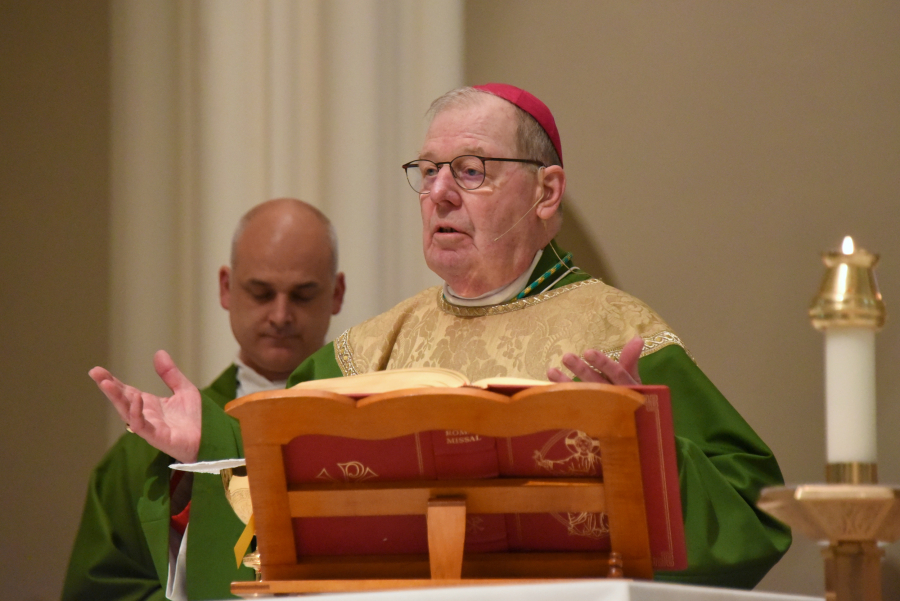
x=376, y=382
x=453, y=454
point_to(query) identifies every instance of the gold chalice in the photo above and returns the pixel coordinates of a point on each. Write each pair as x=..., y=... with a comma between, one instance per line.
x=237, y=491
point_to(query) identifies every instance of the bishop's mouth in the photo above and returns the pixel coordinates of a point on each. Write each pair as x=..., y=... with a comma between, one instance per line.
x=447, y=230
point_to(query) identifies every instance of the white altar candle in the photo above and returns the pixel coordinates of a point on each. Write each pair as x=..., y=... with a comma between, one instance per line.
x=850, y=394
x=849, y=310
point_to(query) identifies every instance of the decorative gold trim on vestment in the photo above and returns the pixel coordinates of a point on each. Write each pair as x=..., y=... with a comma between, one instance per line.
x=652, y=344
x=343, y=355
x=513, y=306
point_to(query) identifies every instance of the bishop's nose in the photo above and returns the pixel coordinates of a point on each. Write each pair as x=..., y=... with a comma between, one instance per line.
x=444, y=188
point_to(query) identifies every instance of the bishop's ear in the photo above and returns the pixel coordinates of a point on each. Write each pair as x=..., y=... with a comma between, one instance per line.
x=553, y=182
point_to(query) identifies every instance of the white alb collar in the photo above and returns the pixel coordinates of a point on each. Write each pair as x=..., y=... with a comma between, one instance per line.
x=250, y=381
x=494, y=297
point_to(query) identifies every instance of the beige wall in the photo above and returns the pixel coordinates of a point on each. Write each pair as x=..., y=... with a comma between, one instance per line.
x=713, y=150
x=54, y=113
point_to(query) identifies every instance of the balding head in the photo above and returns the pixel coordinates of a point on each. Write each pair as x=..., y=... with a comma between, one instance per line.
x=282, y=287
x=285, y=209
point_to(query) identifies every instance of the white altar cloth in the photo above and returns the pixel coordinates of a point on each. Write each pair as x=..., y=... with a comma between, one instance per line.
x=582, y=590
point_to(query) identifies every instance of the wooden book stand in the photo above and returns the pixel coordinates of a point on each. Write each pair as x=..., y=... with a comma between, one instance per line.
x=270, y=420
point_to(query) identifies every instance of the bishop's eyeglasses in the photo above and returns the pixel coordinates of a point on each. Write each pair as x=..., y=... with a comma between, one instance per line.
x=468, y=170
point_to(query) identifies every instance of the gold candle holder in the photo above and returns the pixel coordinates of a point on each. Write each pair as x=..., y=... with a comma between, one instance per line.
x=848, y=297
x=853, y=519
x=851, y=512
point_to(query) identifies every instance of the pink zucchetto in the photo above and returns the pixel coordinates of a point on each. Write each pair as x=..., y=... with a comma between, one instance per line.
x=529, y=103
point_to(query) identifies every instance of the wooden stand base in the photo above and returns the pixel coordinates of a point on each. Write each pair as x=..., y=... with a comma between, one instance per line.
x=853, y=571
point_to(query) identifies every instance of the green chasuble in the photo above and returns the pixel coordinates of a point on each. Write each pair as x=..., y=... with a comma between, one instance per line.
x=722, y=463
x=121, y=551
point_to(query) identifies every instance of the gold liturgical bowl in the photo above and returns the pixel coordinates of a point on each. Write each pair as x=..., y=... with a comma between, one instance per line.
x=237, y=491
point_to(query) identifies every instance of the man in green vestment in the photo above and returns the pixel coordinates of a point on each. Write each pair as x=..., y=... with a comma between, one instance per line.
x=490, y=179
x=280, y=292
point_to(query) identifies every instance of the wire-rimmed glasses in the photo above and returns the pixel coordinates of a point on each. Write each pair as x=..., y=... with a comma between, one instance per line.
x=468, y=170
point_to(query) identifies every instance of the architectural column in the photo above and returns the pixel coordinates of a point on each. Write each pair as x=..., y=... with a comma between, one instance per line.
x=221, y=104
x=144, y=188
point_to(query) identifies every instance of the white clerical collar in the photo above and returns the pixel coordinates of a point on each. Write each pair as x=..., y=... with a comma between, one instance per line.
x=494, y=297
x=250, y=381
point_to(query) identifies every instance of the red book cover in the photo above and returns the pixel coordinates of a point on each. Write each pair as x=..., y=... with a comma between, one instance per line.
x=662, y=492
x=572, y=454
x=453, y=454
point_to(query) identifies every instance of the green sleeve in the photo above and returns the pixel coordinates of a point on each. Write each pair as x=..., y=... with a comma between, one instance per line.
x=220, y=434
x=111, y=557
x=722, y=466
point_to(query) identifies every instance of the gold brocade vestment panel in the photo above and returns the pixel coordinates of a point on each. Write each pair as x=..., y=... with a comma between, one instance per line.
x=519, y=339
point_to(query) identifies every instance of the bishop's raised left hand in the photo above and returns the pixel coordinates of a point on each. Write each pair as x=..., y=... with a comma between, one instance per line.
x=595, y=366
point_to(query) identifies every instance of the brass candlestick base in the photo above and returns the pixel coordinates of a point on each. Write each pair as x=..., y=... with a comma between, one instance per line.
x=853, y=518
x=852, y=472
